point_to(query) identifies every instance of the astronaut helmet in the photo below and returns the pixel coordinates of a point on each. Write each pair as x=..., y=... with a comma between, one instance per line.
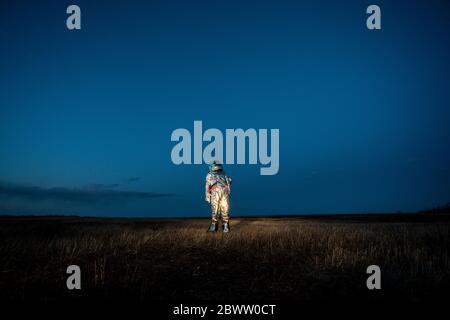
x=215, y=167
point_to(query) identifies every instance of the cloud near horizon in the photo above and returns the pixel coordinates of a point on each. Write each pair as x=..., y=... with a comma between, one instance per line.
x=26, y=199
x=132, y=179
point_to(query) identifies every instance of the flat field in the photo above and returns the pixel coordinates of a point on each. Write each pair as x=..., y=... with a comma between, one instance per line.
x=287, y=258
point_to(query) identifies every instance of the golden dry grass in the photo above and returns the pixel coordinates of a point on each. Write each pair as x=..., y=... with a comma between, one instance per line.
x=262, y=258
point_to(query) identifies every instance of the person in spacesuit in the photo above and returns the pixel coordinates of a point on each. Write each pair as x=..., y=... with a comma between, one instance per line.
x=217, y=194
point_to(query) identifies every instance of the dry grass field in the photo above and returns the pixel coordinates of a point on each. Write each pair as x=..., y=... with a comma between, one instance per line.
x=261, y=259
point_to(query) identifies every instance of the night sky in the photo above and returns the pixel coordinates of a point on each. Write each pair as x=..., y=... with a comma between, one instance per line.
x=86, y=115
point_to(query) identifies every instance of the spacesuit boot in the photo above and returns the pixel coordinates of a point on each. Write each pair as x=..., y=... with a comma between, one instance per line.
x=226, y=227
x=212, y=227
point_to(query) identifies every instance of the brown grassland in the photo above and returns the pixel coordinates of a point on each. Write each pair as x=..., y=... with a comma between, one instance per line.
x=293, y=258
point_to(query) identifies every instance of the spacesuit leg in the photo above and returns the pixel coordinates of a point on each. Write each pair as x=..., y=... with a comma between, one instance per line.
x=215, y=206
x=225, y=206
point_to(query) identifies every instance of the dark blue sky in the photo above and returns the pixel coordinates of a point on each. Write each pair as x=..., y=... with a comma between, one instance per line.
x=86, y=116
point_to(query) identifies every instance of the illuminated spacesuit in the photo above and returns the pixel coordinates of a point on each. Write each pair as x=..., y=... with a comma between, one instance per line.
x=217, y=193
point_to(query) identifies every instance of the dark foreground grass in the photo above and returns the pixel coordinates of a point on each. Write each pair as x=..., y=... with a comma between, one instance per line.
x=261, y=259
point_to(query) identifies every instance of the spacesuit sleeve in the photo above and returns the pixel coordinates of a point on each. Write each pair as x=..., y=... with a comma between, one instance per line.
x=207, y=186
